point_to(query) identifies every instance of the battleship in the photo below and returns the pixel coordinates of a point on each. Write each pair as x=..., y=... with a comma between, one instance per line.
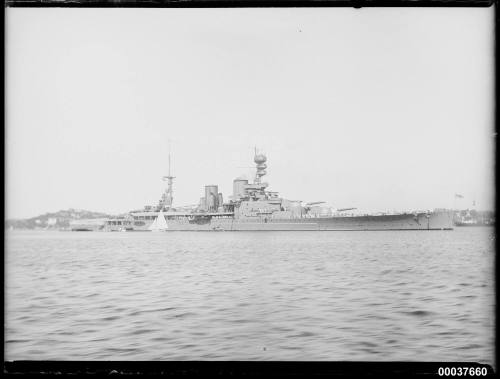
x=252, y=207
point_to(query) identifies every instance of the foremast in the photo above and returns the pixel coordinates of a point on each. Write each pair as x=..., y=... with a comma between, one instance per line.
x=257, y=190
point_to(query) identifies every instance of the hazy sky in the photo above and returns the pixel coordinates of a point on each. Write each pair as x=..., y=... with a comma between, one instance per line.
x=375, y=108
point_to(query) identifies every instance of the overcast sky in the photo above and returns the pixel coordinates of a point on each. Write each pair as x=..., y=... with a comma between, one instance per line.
x=375, y=108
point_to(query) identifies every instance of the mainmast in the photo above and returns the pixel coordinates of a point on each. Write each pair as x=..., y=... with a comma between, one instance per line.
x=167, y=197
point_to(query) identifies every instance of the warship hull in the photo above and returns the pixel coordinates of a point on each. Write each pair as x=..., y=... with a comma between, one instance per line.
x=419, y=221
x=435, y=221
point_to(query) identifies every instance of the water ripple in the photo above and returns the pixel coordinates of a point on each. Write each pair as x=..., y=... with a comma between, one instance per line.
x=251, y=296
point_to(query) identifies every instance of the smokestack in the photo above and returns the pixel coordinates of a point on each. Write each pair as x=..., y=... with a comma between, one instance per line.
x=211, y=197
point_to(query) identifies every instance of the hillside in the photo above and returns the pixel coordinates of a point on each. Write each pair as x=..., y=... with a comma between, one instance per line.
x=54, y=220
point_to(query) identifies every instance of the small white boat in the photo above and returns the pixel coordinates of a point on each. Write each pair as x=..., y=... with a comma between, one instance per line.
x=159, y=224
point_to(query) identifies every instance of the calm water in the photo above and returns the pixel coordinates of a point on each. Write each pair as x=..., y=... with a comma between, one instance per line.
x=251, y=295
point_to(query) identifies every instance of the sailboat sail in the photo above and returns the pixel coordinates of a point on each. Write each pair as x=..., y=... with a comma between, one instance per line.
x=159, y=224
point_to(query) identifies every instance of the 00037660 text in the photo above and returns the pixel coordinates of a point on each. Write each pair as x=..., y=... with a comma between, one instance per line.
x=462, y=371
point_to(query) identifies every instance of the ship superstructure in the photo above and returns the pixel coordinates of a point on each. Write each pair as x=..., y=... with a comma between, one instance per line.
x=253, y=207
